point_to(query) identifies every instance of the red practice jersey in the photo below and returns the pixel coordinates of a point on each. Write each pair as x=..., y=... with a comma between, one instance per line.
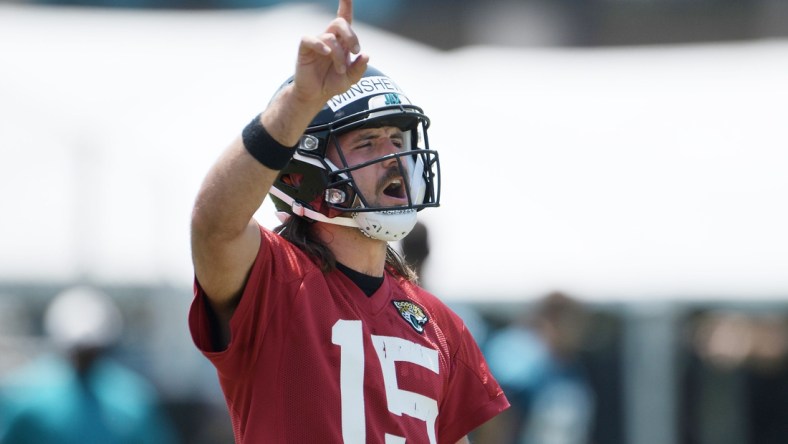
x=312, y=359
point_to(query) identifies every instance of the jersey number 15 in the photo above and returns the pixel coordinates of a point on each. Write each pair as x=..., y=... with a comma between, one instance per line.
x=348, y=335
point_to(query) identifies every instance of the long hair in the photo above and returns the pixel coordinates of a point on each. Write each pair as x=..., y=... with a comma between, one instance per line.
x=298, y=232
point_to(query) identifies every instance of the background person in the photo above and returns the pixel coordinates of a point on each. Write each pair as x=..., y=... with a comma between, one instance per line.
x=537, y=361
x=81, y=395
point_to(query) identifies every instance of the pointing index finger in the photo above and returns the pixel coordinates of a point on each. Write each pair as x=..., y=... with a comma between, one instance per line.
x=345, y=10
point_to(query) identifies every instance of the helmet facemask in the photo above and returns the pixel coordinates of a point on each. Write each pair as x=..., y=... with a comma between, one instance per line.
x=408, y=172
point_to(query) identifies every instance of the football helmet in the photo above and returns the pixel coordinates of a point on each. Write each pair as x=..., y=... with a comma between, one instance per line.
x=314, y=187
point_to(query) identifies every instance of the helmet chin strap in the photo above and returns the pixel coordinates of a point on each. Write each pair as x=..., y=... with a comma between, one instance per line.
x=300, y=210
x=385, y=225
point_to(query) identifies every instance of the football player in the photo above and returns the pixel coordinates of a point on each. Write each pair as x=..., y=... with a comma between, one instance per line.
x=318, y=329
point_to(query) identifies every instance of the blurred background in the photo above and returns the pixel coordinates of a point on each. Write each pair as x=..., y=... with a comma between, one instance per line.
x=613, y=213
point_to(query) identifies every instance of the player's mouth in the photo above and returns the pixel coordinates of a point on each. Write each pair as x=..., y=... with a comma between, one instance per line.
x=395, y=188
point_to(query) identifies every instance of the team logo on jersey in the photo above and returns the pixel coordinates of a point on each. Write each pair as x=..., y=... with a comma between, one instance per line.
x=413, y=314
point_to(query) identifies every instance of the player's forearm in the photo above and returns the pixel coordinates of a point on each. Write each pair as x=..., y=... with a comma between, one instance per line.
x=230, y=194
x=289, y=114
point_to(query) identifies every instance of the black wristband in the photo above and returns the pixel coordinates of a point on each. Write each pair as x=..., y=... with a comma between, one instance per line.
x=265, y=148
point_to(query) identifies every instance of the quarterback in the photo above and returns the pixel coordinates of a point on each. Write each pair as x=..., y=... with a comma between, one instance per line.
x=317, y=329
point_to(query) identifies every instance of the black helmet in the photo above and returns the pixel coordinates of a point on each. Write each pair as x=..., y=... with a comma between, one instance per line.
x=312, y=186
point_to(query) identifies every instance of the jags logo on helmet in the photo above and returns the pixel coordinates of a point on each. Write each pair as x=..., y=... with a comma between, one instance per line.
x=413, y=314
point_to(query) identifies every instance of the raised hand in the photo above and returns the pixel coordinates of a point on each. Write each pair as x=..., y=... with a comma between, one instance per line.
x=325, y=66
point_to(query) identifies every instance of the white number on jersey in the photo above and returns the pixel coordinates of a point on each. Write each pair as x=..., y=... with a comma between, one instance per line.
x=389, y=350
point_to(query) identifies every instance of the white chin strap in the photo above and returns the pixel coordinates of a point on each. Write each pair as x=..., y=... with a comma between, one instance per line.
x=387, y=225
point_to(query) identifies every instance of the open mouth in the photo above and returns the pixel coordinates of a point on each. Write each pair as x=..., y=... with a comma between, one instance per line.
x=396, y=189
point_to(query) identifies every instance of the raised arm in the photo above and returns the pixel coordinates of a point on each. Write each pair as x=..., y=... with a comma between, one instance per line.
x=224, y=237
